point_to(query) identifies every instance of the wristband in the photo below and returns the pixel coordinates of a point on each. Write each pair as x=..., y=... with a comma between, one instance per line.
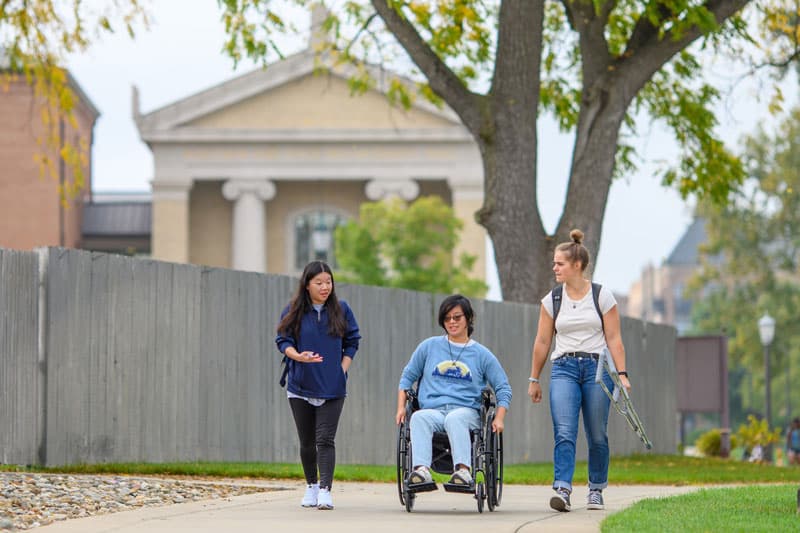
x=533, y=380
x=623, y=373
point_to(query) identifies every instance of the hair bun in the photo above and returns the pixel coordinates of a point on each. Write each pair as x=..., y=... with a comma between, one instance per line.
x=576, y=235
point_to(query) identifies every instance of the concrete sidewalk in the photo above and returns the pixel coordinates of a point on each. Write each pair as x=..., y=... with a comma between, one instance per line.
x=369, y=507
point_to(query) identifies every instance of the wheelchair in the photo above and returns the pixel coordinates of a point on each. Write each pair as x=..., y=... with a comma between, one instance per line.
x=487, y=458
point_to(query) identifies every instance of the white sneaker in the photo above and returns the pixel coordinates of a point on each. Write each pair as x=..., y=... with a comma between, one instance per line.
x=420, y=475
x=324, y=500
x=461, y=477
x=310, y=497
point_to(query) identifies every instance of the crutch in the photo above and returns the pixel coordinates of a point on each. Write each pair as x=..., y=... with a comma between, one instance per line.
x=620, y=398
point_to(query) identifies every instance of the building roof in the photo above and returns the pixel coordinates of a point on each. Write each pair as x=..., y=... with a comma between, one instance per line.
x=120, y=218
x=685, y=252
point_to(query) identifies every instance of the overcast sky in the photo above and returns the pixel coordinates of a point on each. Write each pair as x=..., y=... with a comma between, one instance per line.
x=180, y=55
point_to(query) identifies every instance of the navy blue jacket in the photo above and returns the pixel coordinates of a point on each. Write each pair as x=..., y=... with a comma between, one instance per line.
x=325, y=379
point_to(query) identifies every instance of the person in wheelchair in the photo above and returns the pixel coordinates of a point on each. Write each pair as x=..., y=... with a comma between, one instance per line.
x=452, y=371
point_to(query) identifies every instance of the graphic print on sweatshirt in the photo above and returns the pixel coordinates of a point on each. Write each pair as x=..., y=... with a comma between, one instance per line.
x=453, y=370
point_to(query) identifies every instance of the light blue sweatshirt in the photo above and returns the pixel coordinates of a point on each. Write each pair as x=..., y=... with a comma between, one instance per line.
x=452, y=376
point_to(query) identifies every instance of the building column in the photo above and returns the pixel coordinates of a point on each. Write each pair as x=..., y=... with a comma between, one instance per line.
x=404, y=188
x=467, y=199
x=170, y=221
x=248, y=239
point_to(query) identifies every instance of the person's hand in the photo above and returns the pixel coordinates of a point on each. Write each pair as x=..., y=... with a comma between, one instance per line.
x=309, y=357
x=535, y=392
x=400, y=416
x=498, y=425
x=625, y=383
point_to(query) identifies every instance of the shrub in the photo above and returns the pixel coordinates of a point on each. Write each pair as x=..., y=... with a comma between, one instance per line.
x=710, y=443
x=756, y=433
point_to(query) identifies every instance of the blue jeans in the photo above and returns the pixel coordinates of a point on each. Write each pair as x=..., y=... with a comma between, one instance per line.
x=572, y=390
x=457, y=421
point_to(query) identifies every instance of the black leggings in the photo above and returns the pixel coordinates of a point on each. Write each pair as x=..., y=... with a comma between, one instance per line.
x=316, y=427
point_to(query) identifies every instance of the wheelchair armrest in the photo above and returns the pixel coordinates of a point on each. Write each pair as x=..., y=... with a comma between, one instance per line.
x=412, y=402
x=487, y=398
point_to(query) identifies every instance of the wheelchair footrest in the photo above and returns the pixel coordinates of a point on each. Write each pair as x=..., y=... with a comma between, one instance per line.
x=458, y=487
x=422, y=487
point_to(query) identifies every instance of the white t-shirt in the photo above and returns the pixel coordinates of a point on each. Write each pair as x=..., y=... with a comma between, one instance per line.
x=578, y=326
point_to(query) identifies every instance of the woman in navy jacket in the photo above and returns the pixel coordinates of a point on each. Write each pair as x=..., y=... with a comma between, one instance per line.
x=318, y=336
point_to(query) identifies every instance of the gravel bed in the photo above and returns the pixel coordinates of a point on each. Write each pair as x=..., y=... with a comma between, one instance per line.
x=32, y=500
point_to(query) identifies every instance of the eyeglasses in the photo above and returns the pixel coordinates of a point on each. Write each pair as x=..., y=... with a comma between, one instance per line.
x=453, y=318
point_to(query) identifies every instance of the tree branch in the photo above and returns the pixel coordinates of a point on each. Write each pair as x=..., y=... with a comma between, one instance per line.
x=647, y=52
x=441, y=78
x=590, y=25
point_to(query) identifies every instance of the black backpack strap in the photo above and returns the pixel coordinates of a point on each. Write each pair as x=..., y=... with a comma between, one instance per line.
x=556, y=297
x=596, y=297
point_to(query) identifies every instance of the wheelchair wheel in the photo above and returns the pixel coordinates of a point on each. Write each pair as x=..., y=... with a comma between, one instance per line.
x=499, y=464
x=480, y=495
x=402, y=453
x=410, y=497
x=494, y=468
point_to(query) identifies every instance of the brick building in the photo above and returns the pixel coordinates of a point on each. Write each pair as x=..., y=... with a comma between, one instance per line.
x=31, y=213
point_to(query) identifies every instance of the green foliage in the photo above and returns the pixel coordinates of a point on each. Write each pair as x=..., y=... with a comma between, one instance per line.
x=37, y=36
x=751, y=261
x=710, y=443
x=757, y=433
x=463, y=35
x=406, y=246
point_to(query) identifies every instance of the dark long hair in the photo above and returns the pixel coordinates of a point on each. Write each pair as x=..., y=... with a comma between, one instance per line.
x=301, y=304
x=453, y=301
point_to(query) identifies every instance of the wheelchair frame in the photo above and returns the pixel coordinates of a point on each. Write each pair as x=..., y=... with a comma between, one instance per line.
x=486, y=458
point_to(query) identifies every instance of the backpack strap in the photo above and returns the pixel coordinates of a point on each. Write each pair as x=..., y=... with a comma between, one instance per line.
x=596, y=297
x=556, y=294
x=556, y=297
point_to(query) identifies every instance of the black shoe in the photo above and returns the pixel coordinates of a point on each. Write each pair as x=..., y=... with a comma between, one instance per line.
x=560, y=502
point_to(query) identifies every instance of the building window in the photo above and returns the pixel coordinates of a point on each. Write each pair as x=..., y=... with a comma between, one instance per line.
x=313, y=238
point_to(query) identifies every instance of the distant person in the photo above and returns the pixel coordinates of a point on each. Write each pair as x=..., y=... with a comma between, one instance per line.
x=583, y=327
x=318, y=336
x=793, y=442
x=452, y=370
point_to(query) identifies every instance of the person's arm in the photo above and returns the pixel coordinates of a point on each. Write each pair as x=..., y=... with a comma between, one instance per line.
x=351, y=337
x=498, y=424
x=409, y=376
x=611, y=325
x=544, y=338
x=401, y=407
x=498, y=380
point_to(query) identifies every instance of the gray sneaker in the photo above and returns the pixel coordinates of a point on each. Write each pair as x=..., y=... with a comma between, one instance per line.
x=560, y=502
x=595, y=500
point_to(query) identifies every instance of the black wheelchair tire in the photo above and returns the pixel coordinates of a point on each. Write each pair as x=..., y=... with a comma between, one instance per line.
x=409, y=497
x=401, y=460
x=499, y=466
x=480, y=495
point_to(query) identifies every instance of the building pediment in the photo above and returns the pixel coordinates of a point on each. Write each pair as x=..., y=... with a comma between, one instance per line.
x=293, y=99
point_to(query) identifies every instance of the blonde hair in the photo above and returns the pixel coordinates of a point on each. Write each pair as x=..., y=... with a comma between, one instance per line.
x=574, y=249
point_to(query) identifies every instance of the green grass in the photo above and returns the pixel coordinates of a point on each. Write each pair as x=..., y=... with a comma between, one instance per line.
x=743, y=509
x=633, y=470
